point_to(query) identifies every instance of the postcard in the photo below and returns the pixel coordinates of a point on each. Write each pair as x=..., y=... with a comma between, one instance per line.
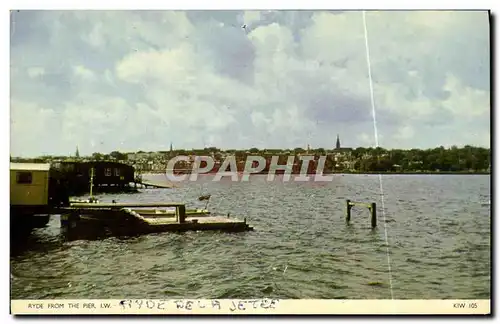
x=317, y=162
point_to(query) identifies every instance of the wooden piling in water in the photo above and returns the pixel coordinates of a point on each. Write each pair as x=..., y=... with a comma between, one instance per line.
x=348, y=211
x=181, y=210
x=373, y=210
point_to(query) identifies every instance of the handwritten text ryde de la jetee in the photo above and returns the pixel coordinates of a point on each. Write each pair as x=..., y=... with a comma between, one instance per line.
x=188, y=305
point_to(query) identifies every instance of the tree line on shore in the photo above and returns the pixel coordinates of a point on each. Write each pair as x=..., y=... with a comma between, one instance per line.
x=440, y=159
x=454, y=159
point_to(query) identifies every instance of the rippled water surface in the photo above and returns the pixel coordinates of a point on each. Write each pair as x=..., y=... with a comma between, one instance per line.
x=438, y=229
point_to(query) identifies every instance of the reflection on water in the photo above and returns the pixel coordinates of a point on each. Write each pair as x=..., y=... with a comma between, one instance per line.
x=438, y=231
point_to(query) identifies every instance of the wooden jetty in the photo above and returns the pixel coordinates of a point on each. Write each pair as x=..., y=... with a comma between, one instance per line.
x=139, y=181
x=132, y=219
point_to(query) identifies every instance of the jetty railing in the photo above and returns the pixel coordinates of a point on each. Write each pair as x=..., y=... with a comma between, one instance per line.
x=371, y=206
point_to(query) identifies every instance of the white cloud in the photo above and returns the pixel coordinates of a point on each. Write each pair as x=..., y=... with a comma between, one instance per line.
x=32, y=125
x=464, y=101
x=35, y=72
x=84, y=73
x=251, y=16
x=406, y=132
x=366, y=139
x=139, y=80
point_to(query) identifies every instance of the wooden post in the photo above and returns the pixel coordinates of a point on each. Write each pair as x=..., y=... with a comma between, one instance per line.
x=348, y=211
x=373, y=209
x=69, y=220
x=91, y=181
x=64, y=219
x=182, y=213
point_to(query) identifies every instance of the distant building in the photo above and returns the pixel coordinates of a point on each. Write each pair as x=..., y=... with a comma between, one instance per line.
x=339, y=149
x=106, y=176
x=341, y=155
x=138, y=156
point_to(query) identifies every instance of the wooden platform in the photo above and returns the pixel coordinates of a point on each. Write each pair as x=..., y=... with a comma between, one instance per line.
x=130, y=219
x=153, y=221
x=200, y=222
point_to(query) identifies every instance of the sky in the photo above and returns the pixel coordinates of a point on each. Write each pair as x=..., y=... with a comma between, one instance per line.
x=140, y=80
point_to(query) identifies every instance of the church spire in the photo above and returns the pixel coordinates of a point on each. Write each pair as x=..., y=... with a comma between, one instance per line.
x=77, y=153
x=337, y=145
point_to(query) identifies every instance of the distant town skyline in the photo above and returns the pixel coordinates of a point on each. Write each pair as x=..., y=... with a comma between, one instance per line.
x=138, y=80
x=77, y=154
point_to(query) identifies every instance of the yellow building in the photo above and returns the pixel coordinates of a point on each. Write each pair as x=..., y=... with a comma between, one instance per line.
x=29, y=184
